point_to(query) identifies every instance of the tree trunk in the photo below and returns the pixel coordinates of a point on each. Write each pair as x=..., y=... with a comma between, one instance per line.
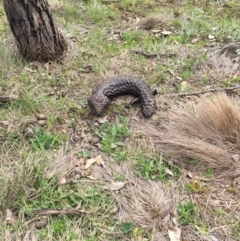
x=32, y=25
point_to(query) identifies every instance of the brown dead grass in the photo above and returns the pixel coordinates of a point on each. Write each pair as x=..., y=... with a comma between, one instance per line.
x=219, y=67
x=207, y=131
x=149, y=204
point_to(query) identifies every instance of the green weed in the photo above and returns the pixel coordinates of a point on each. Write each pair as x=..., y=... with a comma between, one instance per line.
x=187, y=212
x=236, y=229
x=44, y=140
x=84, y=154
x=197, y=187
x=131, y=38
x=209, y=173
x=32, y=190
x=220, y=212
x=98, y=12
x=113, y=137
x=126, y=227
x=154, y=169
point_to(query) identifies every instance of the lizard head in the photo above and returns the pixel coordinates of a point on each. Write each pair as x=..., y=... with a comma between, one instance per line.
x=97, y=103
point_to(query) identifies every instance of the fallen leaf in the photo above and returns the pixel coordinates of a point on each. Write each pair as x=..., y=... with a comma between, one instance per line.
x=171, y=72
x=30, y=70
x=213, y=238
x=114, y=209
x=198, y=178
x=156, y=31
x=41, y=224
x=166, y=33
x=168, y=171
x=40, y=116
x=102, y=120
x=189, y=174
x=175, y=235
x=235, y=157
x=11, y=218
x=174, y=220
x=61, y=182
x=99, y=160
x=184, y=86
x=137, y=20
x=4, y=123
x=114, y=186
x=178, y=78
x=91, y=177
x=194, y=40
x=81, y=162
x=90, y=162
x=171, y=235
x=79, y=205
x=85, y=173
x=211, y=37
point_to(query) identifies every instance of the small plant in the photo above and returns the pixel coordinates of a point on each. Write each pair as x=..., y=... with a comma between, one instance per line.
x=157, y=168
x=113, y=137
x=176, y=23
x=84, y=154
x=219, y=212
x=131, y=38
x=197, y=187
x=120, y=177
x=186, y=74
x=98, y=12
x=125, y=4
x=126, y=227
x=236, y=229
x=45, y=140
x=209, y=173
x=226, y=83
x=187, y=212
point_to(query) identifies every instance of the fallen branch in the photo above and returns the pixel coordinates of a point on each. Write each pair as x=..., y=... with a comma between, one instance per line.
x=51, y=211
x=152, y=55
x=5, y=99
x=227, y=89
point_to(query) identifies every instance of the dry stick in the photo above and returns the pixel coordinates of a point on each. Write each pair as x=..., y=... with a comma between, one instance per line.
x=152, y=55
x=51, y=211
x=5, y=99
x=205, y=91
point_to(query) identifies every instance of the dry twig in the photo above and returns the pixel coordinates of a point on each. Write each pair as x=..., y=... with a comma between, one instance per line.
x=152, y=55
x=6, y=98
x=227, y=89
x=51, y=211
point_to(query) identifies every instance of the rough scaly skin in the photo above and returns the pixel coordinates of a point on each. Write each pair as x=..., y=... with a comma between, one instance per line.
x=123, y=85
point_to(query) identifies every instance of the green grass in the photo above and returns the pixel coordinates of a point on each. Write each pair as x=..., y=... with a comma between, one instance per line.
x=34, y=191
x=236, y=229
x=104, y=33
x=96, y=11
x=155, y=169
x=44, y=140
x=113, y=137
x=187, y=213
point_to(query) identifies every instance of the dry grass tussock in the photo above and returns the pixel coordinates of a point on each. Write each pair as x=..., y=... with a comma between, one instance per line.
x=207, y=131
x=220, y=67
x=149, y=204
x=19, y=178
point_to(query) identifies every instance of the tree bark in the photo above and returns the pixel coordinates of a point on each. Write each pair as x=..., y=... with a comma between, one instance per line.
x=32, y=25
